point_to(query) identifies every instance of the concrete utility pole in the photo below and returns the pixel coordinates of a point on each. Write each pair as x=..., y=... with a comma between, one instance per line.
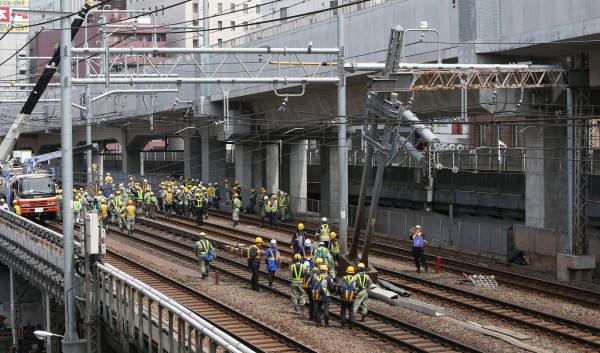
x=342, y=140
x=88, y=124
x=205, y=147
x=70, y=335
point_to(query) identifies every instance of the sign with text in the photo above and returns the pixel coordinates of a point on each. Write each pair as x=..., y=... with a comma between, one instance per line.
x=12, y=16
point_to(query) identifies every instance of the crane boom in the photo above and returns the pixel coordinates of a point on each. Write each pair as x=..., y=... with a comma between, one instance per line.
x=23, y=117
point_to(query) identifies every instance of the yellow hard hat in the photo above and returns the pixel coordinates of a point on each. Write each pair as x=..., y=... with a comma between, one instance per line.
x=323, y=268
x=99, y=192
x=14, y=202
x=202, y=234
x=216, y=183
x=235, y=182
x=297, y=257
x=118, y=192
x=252, y=190
x=76, y=198
x=151, y=193
x=120, y=203
x=112, y=196
x=350, y=270
x=258, y=240
x=2, y=200
x=333, y=235
x=318, y=260
x=274, y=196
x=301, y=226
x=360, y=265
x=169, y=190
x=103, y=201
x=130, y=202
x=74, y=190
x=226, y=180
x=131, y=178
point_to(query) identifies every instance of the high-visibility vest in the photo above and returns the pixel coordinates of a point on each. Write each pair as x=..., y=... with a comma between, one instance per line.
x=305, y=255
x=18, y=209
x=140, y=194
x=362, y=280
x=76, y=205
x=325, y=231
x=335, y=246
x=273, y=255
x=169, y=197
x=199, y=201
x=298, y=269
x=257, y=252
x=206, y=246
x=103, y=209
x=131, y=211
x=237, y=203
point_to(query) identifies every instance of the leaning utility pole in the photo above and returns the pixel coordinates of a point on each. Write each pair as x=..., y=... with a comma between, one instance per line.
x=342, y=139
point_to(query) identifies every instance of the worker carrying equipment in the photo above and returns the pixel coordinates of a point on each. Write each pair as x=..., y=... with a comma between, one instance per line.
x=418, y=251
x=254, y=262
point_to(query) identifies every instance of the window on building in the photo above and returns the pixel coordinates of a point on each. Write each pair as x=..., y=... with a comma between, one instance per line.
x=220, y=25
x=516, y=136
x=195, y=22
x=245, y=8
x=257, y=8
x=233, y=25
x=90, y=18
x=482, y=135
x=163, y=9
x=195, y=8
x=232, y=6
x=333, y=3
x=282, y=14
x=195, y=43
x=220, y=7
x=245, y=26
x=220, y=42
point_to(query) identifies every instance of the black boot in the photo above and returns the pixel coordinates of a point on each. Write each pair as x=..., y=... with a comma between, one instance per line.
x=351, y=325
x=327, y=323
x=343, y=324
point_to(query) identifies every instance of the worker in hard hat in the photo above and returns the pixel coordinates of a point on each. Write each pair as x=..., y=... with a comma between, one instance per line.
x=103, y=213
x=227, y=192
x=298, y=238
x=130, y=220
x=152, y=206
x=16, y=207
x=76, y=209
x=4, y=205
x=418, y=240
x=122, y=214
x=254, y=262
x=236, y=204
x=205, y=252
x=334, y=246
x=271, y=209
x=217, y=200
x=321, y=295
x=283, y=205
x=252, y=201
x=323, y=232
x=108, y=180
x=363, y=282
x=308, y=252
x=272, y=261
x=169, y=198
x=112, y=208
x=59, y=201
x=297, y=272
x=199, y=204
x=261, y=201
x=347, y=296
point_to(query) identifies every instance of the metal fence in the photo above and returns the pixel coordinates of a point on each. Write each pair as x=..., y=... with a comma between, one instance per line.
x=483, y=235
x=133, y=308
x=167, y=156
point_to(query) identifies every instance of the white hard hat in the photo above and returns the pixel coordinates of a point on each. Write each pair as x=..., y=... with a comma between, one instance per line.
x=321, y=243
x=273, y=241
x=418, y=226
x=201, y=182
x=203, y=188
x=324, y=219
x=307, y=242
x=107, y=174
x=209, y=184
x=266, y=198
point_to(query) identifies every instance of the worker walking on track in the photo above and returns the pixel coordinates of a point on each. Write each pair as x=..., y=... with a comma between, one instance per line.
x=298, y=238
x=236, y=204
x=308, y=252
x=321, y=295
x=283, y=206
x=3, y=205
x=217, y=200
x=152, y=206
x=418, y=250
x=347, y=296
x=334, y=246
x=130, y=220
x=199, y=205
x=322, y=233
x=272, y=260
x=205, y=252
x=103, y=213
x=297, y=272
x=363, y=282
x=310, y=278
x=121, y=213
x=168, y=202
x=254, y=262
x=76, y=208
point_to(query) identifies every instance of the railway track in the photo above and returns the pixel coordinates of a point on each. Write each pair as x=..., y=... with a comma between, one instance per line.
x=254, y=334
x=377, y=327
x=572, y=331
x=585, y=297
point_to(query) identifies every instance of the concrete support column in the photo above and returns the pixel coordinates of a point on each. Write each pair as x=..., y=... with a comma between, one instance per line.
x=48, y=321
x=192, y=162
x=243, y=167
x=272, y=164
x=329, y=181
x=217, y=161
x=258, y=165
x=298, y=176
x=133, y=160
x=124, y=161
x=205, y=151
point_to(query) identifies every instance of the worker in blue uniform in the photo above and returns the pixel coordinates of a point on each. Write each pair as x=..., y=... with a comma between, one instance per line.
x=272, y=260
